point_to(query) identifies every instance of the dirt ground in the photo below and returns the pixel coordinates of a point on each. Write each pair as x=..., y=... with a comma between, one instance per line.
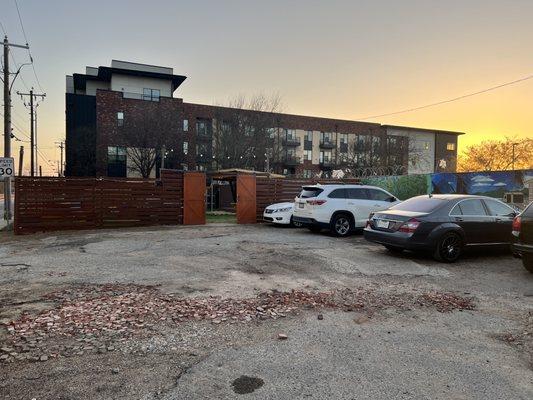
x=225, y=311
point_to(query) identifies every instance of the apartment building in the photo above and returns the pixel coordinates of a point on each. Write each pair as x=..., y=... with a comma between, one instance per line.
x=124, y=120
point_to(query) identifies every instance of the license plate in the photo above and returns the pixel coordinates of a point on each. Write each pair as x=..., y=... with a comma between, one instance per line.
x=301, y=205
x=382, y=223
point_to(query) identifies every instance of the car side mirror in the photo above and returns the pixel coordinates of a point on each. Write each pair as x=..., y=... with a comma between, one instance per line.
x=391, y=199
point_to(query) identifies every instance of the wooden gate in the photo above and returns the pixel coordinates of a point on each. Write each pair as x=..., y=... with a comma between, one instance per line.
x=194, y=198
x=246, y=202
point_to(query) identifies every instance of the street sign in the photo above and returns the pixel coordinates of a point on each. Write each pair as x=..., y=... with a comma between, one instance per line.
x=7, y=167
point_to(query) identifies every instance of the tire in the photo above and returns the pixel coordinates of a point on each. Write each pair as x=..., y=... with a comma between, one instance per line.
x=527, y=262
x=393, y=249
x=341, y=225
x=315, y=229
x=449, y=247
x=295, y=224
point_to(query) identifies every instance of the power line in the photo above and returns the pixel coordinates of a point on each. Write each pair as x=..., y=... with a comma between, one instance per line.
x=449, y=100
x=21, y=24
x=2, y=26
x=27, y=43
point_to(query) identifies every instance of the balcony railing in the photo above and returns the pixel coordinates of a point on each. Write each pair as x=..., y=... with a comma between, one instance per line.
x=327, y=144
x=205, y=136
x=327, y=163
x=291, y=160
x=291, y=141
x=140, y=96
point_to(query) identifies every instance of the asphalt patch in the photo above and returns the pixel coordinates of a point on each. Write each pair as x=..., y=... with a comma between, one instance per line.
x=246, y=384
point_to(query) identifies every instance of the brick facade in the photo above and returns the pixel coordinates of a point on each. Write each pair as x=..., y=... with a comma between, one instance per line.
x=108, y=103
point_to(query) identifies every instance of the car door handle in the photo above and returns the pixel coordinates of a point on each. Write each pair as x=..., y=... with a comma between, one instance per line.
x=459, y=219
x=377, y=205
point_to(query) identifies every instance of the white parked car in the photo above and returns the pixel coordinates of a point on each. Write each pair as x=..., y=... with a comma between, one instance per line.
x=339, y=208
x=280, y=213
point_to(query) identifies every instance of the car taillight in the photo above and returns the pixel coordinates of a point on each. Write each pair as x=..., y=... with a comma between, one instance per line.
x=316, y=202
x=517, y=224
x=410, y=226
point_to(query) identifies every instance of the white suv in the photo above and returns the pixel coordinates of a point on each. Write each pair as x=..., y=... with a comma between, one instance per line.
x=339, y=208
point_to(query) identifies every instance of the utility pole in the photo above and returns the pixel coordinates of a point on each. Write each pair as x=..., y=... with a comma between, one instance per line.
x=7, y=123
x=60, y=169
x=21, y=159
x=33, y=119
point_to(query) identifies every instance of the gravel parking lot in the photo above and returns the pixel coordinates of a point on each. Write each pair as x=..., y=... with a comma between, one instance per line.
x=258, y=311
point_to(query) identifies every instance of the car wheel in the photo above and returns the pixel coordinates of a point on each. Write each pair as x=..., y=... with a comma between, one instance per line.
x=315, y=229
x=449, y=247
x=393, y=249
x=527, y=261
x=296, y=224
x=341, y=225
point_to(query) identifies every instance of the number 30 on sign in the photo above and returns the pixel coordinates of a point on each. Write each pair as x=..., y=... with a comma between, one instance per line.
x=6, y=167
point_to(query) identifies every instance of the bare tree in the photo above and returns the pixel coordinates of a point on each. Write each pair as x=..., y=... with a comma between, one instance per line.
x=245, y=133
x=372, y=154
x=144, y=139
x=497, y=155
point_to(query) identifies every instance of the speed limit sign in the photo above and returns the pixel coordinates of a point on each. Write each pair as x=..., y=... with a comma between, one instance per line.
x=7, y=167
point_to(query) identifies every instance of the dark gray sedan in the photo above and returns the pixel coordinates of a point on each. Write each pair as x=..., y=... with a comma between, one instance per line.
x=442, y=224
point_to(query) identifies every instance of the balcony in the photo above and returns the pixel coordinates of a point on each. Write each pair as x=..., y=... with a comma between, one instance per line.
x=204, y=137
x=327, y=144
x=326, y=164
x=291, y=141
x=291, y=160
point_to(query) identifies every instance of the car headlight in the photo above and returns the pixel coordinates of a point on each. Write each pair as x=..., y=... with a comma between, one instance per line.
x=283, y=209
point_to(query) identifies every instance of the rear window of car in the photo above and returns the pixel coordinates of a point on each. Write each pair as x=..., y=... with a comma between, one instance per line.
x=528, y=212
x=308, y=192
x=498, y=209
x=357, y=193
x=420, y=204
x=378, y=195
x=338, y=194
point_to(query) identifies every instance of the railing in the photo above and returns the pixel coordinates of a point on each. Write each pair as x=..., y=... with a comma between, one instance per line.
x=291, y=141
x=139, y=96
x=291, y=160
x=327, y=143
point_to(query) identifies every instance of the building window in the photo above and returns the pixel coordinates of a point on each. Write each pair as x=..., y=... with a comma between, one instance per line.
x=308, y=155
x=290, y=134
x=308, y=173
x=450, y=146
x=325, y=157
x=272, y=133
x=309, y=136
x=185, y=148
x=344, y=138
x=120, y=118
x=116, y=154
x=325, y=137
x=151, y=94
x=203, y=127
x=248, y=130
x=185, y=125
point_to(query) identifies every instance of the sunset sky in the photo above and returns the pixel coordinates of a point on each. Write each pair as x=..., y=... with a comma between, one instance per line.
x=340, y=59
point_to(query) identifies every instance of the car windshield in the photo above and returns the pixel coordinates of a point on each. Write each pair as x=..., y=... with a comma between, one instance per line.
x=424, y=204
x=308, y=192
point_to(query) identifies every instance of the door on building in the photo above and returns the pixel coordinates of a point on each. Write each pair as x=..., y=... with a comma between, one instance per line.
x=246, y=199
x=194, y=185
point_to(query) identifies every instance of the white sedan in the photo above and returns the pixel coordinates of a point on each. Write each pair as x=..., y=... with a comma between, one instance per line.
x=280, y=213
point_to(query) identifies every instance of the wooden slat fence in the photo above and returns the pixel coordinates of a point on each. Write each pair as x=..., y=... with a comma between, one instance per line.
x=48, y=204
x=277, y=190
